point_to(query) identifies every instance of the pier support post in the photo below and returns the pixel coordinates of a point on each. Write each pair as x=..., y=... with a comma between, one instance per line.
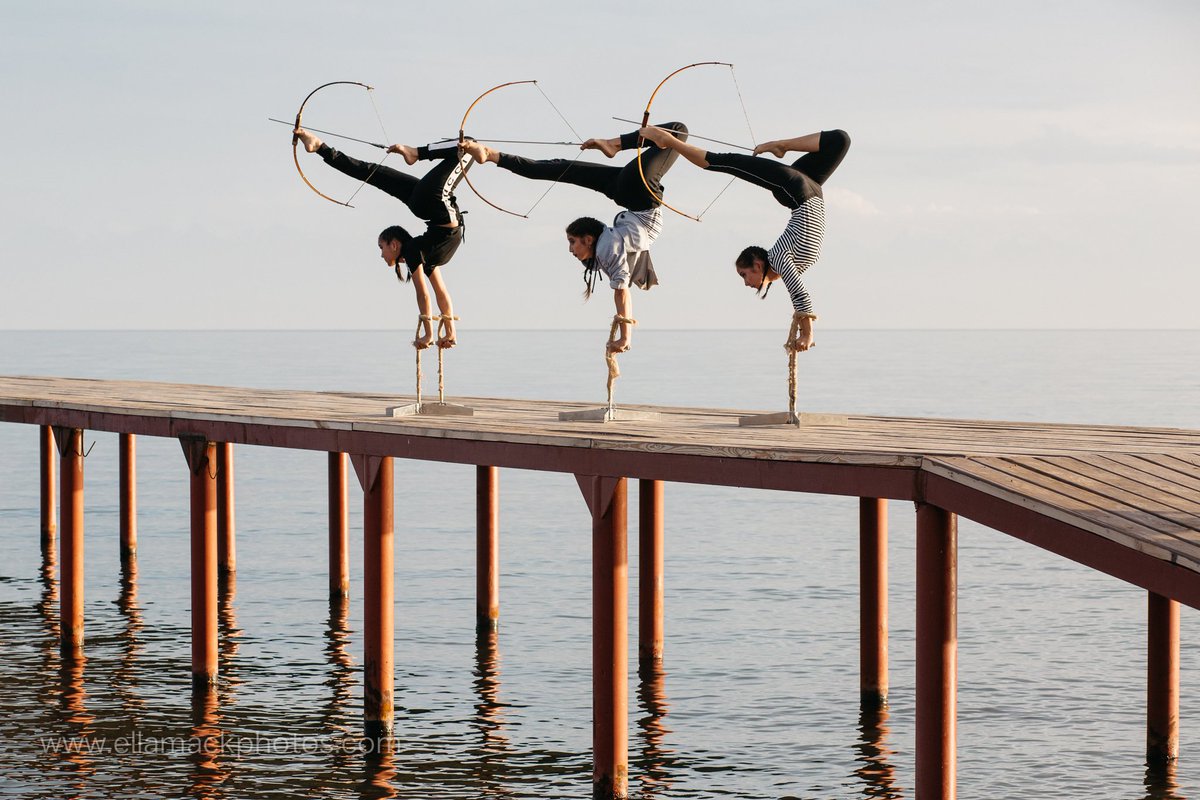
x=651, y=583
x=226, y=537
x=127, y=464
x=48, y=484
x=339, y=528
x=487, y=549
x=375, y=474
x=1162, y=681
x=70, y=557
x=201, y=458
x=873, y=601
x=607, y=500
x=937, y=652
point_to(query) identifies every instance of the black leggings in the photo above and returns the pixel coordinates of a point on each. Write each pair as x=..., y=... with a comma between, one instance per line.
x=622, y=185
x=791, y=185
x=430, y=197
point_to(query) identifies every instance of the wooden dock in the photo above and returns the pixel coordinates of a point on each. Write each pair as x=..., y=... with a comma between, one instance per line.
x=1122, y=500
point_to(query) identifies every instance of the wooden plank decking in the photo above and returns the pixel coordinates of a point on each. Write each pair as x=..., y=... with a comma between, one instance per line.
x=1093, y=493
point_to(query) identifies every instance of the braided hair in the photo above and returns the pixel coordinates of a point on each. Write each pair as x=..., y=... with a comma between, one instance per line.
x=397, y=234
x=588, y=226
x=746, y=260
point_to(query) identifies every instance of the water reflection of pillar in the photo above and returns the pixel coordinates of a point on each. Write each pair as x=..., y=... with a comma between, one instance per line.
x=489, y=720
x=874, y=755
x=77, y=757
x=1161, y=784
x=208, y=768
x=228, y=642
x=341, y=680
x=125, y=676
x=49, y=599
x=655, y=763
x=379, y=770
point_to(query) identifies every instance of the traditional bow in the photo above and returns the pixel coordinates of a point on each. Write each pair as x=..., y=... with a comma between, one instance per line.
x=296, y=139
x=646, y=121
x=462, y=139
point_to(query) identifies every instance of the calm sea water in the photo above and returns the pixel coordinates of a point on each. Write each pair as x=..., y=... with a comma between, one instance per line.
x=759, y=696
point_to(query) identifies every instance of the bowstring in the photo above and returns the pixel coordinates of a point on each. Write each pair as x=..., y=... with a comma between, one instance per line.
x=753, y=140
x=571, y=164
x=386, y=138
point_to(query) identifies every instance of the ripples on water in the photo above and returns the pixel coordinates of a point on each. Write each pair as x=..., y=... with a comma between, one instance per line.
x=758, y=696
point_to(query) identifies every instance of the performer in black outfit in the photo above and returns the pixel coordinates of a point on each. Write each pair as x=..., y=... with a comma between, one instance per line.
x=621, y=251
x=797, y=187
x=430, y=198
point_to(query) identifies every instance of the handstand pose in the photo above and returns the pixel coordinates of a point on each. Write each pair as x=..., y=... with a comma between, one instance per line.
x=797, y=187
x=620, y=251
x=431, y=198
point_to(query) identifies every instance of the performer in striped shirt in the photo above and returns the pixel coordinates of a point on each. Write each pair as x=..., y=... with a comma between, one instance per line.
x=620, y=251
x=431, y=199
x=798, y=187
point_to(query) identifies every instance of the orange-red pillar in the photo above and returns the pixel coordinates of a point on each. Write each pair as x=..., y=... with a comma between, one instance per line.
x=339, y=527
x=70, y=557
x=202, y=463
x=651, y=582
x=607, y=500
x=873, y=601
x=49, y=492
x=1162, y=680
x=487, y=549
x=127, y=507
x=376, y=476
x=937, y=653
x=226, y=536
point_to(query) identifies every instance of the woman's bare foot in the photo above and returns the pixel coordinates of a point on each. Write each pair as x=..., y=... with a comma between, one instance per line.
x=311, y=143
x=610, y=147
x=409, y=153
x=776, y=149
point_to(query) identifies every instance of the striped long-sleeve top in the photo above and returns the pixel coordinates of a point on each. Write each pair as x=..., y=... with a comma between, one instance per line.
x=798, y=248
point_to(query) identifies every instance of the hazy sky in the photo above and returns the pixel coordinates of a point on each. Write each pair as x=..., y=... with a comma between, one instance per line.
x=1020, y=164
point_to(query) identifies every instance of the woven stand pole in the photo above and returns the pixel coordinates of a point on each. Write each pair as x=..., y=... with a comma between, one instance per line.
x=423, y=318
x=441, y=333
x=610, y=357
x=790, y=347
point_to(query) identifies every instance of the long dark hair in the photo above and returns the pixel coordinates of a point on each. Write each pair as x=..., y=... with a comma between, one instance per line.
x=395, y=233
x=588, y=226
x=746, y=260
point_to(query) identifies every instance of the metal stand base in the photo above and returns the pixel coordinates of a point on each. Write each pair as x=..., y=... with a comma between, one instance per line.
x=605, y=414
x=788, y=418
x=431, y=410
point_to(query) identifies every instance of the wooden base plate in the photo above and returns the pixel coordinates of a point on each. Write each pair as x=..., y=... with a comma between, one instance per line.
x=788, y=418
x=605, y=414
x=431, y=410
